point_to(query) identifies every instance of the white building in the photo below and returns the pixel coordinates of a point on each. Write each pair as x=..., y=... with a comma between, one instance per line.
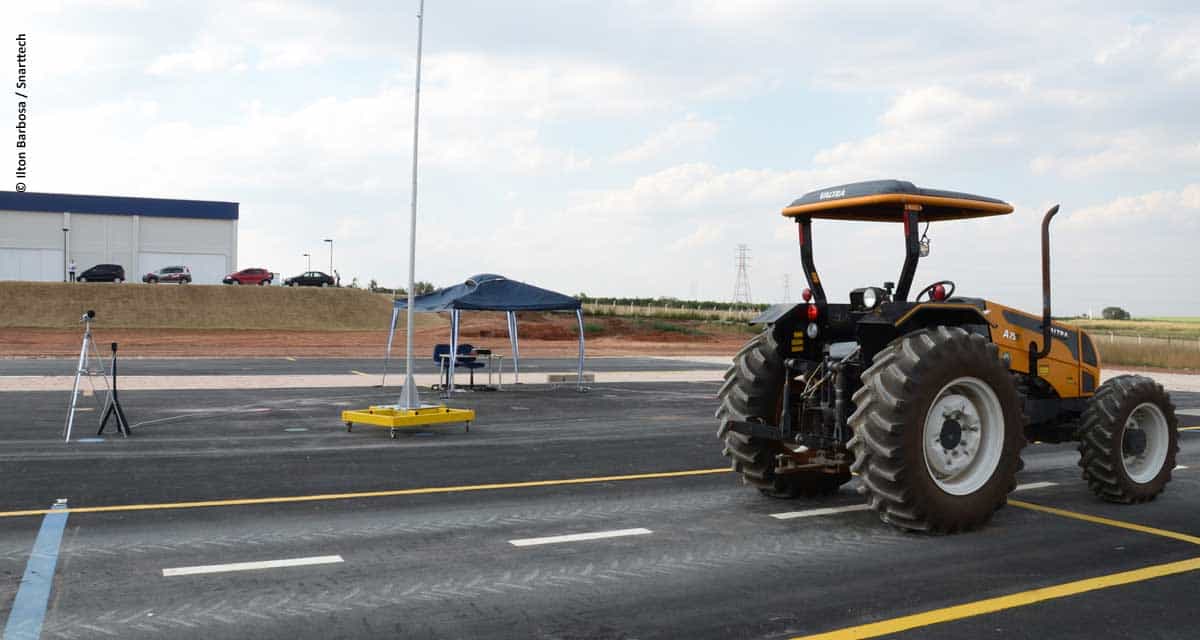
x=41, y=232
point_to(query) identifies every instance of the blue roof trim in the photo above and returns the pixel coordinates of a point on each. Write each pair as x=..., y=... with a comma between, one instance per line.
x=118, y=205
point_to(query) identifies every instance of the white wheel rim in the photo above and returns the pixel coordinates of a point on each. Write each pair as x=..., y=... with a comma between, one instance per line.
x=1150, y=421
x=963, y=436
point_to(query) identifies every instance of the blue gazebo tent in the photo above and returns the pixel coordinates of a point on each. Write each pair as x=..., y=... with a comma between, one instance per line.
x=491, y=292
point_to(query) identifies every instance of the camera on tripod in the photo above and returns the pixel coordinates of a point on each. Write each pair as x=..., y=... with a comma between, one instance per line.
x=90, y=315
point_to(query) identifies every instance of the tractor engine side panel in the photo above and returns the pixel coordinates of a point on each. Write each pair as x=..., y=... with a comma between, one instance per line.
x=1072, y=368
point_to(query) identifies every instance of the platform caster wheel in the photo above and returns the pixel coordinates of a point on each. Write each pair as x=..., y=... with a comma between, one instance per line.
x=393, y=431
x=349, y=427
x=468, y=427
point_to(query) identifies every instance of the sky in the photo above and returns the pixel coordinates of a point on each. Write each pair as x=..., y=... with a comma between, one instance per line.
x=626, y=147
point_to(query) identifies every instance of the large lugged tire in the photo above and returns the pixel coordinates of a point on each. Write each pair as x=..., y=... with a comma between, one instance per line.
x=938, y=431
x=753, y=392
x=1128, y=439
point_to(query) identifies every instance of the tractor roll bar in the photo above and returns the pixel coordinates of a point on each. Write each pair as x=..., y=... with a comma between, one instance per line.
x=1034, y=352
x=912, y=255
x=912, y=252
x=806, y=257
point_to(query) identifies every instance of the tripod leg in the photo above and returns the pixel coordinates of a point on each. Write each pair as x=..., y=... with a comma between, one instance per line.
x=122, y=421
x=110, y=409
x=75, y=387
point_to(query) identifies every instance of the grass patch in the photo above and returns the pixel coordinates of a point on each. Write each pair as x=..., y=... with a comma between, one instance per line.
x=1182, y=319
x=590, y=328
x=670, y=327
x=1162, y=356
x=1164, y=328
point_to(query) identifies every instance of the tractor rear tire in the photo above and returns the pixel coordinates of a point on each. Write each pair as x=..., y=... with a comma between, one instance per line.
x=938, y=431
x=1121, y=408
x=753, y=392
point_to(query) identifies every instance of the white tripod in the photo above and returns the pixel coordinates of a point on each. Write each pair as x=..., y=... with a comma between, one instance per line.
x=87, y=351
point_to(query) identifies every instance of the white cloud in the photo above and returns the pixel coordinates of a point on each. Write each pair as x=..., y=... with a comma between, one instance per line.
x=1136, y=150
x=207, y=57
x=690, y=131
x=921, y=125
x=1173, y=209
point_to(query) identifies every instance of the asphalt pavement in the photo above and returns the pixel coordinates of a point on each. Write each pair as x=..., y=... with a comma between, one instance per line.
x=607, y=514
x=309, y=366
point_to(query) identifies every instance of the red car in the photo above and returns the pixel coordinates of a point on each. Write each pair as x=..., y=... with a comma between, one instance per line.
x=249, y=276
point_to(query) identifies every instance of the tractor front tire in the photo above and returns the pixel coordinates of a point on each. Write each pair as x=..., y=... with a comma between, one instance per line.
x=753, y=392
x=1128, y=440
x=938, y=431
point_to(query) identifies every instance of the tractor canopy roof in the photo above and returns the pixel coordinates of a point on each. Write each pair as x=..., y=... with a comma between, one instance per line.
x=887, y=200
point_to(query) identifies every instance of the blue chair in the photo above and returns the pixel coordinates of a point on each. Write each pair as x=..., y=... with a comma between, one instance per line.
x=440, y=350
x=465, y=359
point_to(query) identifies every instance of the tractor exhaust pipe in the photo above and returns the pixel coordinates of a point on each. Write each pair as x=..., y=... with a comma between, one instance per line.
x=1034, y=353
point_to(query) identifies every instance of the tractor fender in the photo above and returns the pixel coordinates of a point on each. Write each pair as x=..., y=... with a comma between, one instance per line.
x=783, y=321
x=949, y=314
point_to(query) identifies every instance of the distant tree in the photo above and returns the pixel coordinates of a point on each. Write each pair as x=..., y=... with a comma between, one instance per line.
x=372, y=285
x=422, y=288
x=1114, y=313
x=353, y=283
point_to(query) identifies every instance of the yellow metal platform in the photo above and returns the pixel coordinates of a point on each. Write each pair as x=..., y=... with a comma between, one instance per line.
x=394, y=417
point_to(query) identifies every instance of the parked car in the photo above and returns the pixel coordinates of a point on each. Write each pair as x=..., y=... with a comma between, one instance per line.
x=103, y=273
x=178, y=274
x=310, y=279
x=249, y=276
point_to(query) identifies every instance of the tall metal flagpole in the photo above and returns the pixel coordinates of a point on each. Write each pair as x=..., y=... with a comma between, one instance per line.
x=410, y=412
x=409, y=399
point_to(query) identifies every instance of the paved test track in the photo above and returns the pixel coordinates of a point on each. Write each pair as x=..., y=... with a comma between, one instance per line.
x=308, y=366
x=716, y=564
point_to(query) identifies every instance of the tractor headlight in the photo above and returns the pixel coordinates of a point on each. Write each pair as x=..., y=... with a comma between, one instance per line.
x=867, y=298
x=870, y=298
x=812, y=330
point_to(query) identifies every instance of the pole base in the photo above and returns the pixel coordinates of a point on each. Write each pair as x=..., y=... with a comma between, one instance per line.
x=395, y=417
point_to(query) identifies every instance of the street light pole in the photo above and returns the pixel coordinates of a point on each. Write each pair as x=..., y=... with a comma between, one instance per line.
x=66, y=250
x=309, y=258
x=330, y=241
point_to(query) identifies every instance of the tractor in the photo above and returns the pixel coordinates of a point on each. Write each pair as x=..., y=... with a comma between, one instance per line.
x=929, y=400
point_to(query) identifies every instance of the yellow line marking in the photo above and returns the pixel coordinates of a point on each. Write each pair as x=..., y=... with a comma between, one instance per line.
x=1033, y=596
x=289, y=358
x=358, y=372
x=992, y=605
x=365, y=494
x=1195, y=428
x=1112, y=523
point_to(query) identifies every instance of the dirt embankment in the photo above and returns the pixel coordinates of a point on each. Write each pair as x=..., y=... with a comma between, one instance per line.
x=56, y=305
x=41, y=319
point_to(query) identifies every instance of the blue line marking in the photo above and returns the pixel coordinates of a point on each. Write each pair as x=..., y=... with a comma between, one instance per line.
x=33, y=596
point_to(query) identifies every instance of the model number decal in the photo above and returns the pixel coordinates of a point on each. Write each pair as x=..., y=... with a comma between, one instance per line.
x=835, y=193
x=1009, y=335
x=1055, y=331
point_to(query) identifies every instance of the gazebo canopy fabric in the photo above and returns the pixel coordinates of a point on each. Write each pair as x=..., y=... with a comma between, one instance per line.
x=490, y=292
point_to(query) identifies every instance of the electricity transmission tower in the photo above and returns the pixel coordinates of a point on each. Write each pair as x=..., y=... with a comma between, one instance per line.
x=787, y=287
x=741, y=286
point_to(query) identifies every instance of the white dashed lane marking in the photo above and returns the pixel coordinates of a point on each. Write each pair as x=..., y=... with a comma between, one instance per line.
x=827, y=511
x=1035, y=485
x=579, y=537
x=251, y=566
